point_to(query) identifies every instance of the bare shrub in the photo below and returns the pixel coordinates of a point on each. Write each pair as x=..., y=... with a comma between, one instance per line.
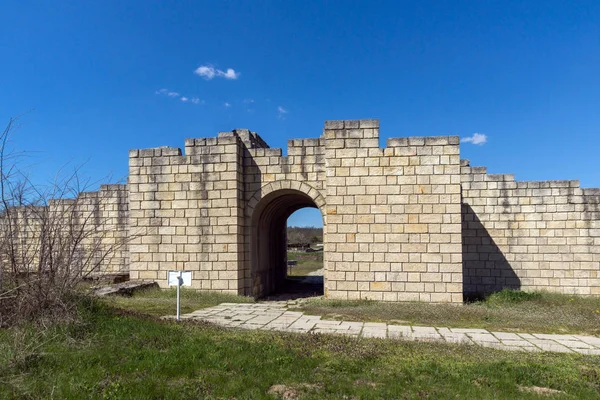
x=51, y=238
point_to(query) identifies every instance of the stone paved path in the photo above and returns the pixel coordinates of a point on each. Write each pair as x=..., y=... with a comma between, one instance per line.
x=276, y=316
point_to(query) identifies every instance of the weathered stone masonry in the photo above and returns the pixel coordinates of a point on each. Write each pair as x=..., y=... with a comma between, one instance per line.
x=406, y=222
x=410, y=221
x=95, y=224
x=393, y=215
x=529, y=235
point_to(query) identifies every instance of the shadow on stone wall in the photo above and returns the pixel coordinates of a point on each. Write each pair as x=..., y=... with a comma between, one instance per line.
x=591, y=206
x=485, y=268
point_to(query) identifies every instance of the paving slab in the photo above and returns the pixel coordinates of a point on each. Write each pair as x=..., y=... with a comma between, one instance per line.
x=327, y=324
x=425, y=330
x=275, y=316
x=500, y=346
x=594, y=341
x=368, y=332
x=353, y=324
x=517, y=343
x=526, y=336
x=375, y=324
x=574, y=344
x=483, y=337
x=552, y=336
x=468, y=330
x=399, y=331
x=451, y=337
x=591, y=352
x=506, y=336
x=550, y=345
x=323, y=330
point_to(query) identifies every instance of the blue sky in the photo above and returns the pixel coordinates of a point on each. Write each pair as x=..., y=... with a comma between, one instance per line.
x=523, y=73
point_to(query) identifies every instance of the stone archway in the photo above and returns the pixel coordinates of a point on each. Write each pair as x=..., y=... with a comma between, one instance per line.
x=268, y=211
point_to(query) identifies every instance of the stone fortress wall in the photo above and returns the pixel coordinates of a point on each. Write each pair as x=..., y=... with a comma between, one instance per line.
x=410, y=221
x=107, y=213
x=92, y=228
x=393, y=229
x=406, y=222
x=529, y=235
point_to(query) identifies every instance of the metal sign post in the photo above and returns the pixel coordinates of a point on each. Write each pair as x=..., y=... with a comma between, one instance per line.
x=290, y=264
x=179, y=282
x=179, y=278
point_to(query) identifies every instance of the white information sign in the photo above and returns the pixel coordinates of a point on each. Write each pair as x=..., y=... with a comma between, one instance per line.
x=179, y=279
x=186, y=278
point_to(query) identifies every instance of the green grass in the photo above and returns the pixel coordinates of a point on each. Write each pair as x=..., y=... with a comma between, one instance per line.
x=539, y=312
x=111, y=354
x=159, y=302
x=307, y=262
x=509, y=296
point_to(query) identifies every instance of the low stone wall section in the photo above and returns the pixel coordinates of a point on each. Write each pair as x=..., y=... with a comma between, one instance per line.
x=529, y=235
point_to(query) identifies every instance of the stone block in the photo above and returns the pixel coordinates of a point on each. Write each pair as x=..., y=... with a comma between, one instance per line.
x=369, y=123
x=330, y=125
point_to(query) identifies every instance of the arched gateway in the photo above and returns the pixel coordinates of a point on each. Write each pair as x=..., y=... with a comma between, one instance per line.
x=268, y=211
x=410, y=221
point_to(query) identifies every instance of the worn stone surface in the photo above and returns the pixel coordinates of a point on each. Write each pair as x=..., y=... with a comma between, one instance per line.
x=124, y=288
x=275, y=316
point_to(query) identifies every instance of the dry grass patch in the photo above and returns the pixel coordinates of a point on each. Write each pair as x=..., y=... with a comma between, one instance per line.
x=544, y=391
x=307, y=262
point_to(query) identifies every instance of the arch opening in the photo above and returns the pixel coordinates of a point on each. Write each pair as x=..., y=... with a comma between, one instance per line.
x=268, y=255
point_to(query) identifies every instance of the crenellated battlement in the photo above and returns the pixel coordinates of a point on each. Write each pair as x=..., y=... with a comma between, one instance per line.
x=251, y=140
x=550, y=191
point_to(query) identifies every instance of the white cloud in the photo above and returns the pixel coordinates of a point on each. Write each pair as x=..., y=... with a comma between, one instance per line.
x=167, y=92
x=205, y=71
x=281, y=112
x=184, y=99
x=227, y=105
x=209, y=72
x=229, y=74
x=477, y=138
x=193, y=100
x=248, y=101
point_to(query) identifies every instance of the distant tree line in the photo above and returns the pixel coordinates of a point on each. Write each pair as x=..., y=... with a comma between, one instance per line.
x=304, y=234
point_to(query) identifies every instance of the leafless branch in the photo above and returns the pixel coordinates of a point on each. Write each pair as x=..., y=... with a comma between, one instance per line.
x=51, y=238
